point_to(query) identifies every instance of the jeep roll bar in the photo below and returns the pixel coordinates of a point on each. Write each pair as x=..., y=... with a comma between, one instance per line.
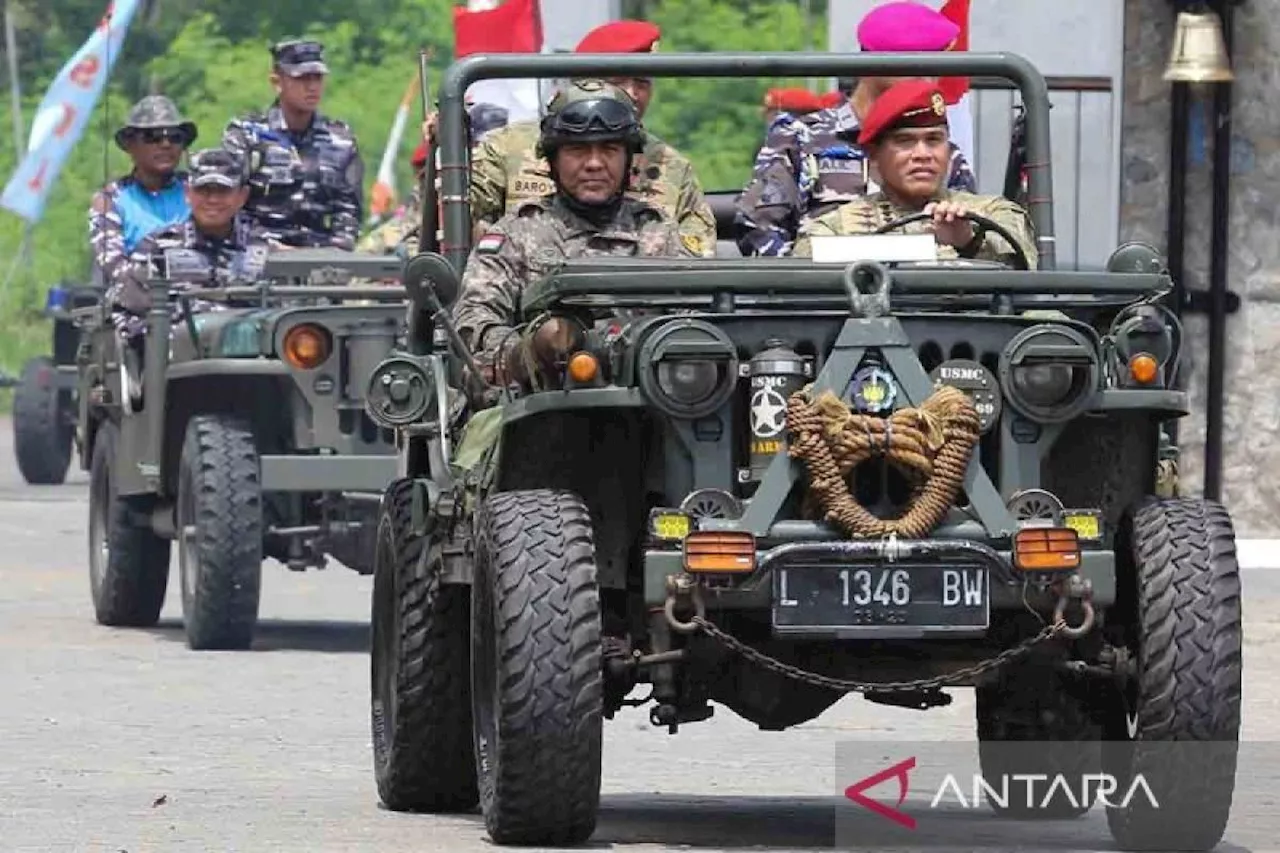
x=454, y=147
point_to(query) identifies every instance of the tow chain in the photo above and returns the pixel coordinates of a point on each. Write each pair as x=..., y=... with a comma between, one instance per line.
x=842, y=685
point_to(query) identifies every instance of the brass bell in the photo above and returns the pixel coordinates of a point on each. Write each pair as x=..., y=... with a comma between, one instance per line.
x=1199, y=50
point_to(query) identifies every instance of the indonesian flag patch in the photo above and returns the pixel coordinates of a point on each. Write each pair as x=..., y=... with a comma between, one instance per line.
x=490, y=243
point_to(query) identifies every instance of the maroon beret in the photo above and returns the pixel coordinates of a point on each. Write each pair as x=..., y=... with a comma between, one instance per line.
x=620, y=37
x=911, y=103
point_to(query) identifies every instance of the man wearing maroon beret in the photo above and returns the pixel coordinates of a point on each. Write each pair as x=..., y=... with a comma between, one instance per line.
x=906, y=138
x=794, y=101
x=506, y=170
x=810, y=164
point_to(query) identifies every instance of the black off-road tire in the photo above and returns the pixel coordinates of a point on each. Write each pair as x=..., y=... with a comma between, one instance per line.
x=1030, y=723
x=1188, y=639
x=42, y=434
x=220, y=496
x=536, y=668
x=129, y=581
x=420, y=671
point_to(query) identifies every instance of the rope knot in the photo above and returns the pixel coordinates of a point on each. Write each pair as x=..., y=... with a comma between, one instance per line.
x=931, y=445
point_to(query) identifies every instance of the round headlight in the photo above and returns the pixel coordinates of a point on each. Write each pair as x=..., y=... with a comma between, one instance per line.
x=1044, y=384
x=1050, y=372
x=687, y=368
x=688, y=382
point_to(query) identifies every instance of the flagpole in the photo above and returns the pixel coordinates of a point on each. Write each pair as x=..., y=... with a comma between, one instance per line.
x=19, y=128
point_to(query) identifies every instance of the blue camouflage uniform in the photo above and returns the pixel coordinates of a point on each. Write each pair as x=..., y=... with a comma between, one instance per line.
x=205, y=260
x=810, y=165
x=124, y=211
x=306, y=189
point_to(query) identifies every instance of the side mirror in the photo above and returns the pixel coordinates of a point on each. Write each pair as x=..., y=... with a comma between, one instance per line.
x=431, y=281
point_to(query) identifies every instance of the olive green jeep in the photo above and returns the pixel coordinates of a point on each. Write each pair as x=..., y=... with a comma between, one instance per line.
x=244, y=436
x=771, y=482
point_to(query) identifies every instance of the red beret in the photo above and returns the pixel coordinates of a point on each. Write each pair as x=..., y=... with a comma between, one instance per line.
x=832, y=99
x=906, y=26
x=620, y=37
x=419, y=159
x=911, y=103
x=792, y=100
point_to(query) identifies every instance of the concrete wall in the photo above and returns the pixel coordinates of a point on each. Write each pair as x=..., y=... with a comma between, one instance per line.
x=1251, y=442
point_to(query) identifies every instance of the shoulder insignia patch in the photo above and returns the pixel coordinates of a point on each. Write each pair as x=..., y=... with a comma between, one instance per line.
x=694, y=243
x=490, y=243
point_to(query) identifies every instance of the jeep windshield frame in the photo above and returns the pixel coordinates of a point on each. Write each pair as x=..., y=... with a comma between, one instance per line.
x=455, y=148
x=723, y=285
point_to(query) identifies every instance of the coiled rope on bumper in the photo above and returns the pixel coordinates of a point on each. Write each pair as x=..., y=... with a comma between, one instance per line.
x=931, y=445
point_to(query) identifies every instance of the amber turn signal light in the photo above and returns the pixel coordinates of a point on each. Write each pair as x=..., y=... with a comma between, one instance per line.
x=306, y=346
x=1143, y=367
x=714, y=551
x=583, y=367
x=1046, y=549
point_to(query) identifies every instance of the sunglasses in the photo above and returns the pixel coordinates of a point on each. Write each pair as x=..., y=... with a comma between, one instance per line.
x=604, y=114
x=157, y=135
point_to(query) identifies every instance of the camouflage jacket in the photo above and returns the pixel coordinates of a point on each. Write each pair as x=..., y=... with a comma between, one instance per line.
x=208, y=262
x=809, y=165
x=123, y=212
x=867, y=214
x=529, y=243
x=506, y=171
x=305, y=189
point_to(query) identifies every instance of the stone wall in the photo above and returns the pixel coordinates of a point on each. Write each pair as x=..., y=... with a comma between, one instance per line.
x=1251, y=434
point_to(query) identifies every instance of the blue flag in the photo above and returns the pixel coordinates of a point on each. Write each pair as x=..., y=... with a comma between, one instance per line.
x=64, y=111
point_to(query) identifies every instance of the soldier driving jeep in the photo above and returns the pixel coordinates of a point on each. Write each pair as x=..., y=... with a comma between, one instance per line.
x=589, y=137
x=905, y=135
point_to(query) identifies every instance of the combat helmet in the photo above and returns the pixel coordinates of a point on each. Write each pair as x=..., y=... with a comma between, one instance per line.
x=589, y=111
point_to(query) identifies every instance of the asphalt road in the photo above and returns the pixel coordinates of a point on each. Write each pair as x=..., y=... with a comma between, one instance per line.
x=115, y=740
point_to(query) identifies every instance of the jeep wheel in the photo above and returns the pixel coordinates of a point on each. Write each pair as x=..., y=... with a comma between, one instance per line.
x=128, y=562
x=219, y=533
x=421, y=669
x=42, y=434
x=1179, y=725
x=536, y=668
x=1030, y=723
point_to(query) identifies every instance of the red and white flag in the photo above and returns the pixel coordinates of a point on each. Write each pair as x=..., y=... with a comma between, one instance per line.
x=956, y=89
x=515, y=26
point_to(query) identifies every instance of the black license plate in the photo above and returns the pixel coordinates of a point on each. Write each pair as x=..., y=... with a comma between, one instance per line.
x=882, y=601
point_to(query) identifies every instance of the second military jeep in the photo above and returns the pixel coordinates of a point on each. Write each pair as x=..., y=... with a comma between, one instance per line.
x=44, y=398
x=767, y=483
x=238, y=434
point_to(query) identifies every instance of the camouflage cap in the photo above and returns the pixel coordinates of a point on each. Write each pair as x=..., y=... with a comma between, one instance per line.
x=298, y=57
x=218, y=167
x=154, y=112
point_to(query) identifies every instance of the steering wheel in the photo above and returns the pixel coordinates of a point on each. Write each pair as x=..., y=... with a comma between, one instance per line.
x=1020, y=259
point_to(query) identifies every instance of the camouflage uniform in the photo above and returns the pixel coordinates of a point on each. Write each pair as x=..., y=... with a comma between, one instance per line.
x=506, y=171
x=399, y=233
x=208, y=261
x=808, y=166
x=124, y=211
x=306, y=188
x=526, y=245
x=867, y=214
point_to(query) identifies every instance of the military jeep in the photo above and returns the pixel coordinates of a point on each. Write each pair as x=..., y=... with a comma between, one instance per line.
x=243, y=437
x=44, y=397
x=770, y=482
